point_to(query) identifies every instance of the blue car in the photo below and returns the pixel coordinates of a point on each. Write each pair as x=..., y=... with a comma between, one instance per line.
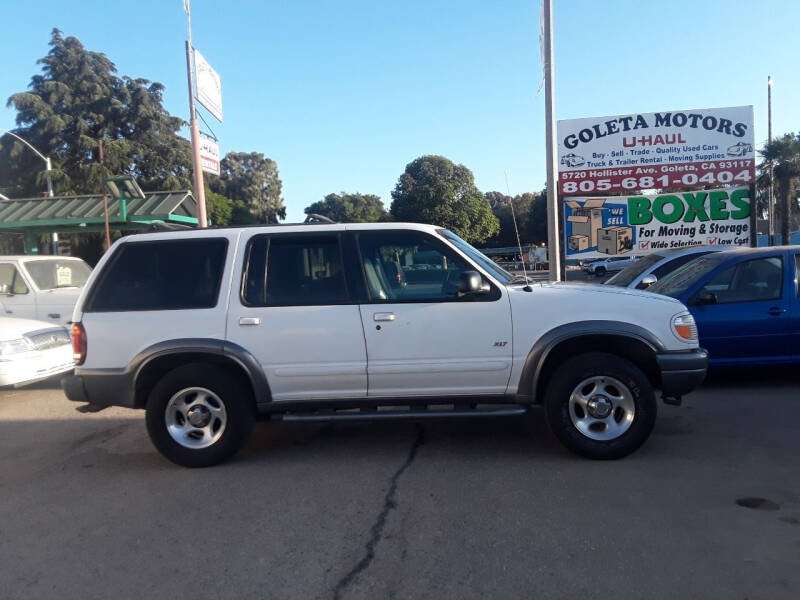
x=745, y=303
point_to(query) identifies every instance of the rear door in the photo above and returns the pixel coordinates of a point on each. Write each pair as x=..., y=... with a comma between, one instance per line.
x=297, y=313
x=751, y=318
x=422, y=339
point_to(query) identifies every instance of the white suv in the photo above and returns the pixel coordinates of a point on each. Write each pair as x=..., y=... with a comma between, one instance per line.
x=210, y=330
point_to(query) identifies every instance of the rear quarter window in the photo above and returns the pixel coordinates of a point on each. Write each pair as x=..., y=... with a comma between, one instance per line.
x=161, y=275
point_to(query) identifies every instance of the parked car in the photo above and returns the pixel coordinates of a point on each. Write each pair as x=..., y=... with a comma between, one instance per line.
x=649, y=269
x=209, y=329
x=608, y=265
x=41, y=287
x=32, y=350
x=745, y=303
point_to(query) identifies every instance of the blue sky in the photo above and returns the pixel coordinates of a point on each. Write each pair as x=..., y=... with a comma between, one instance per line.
x=344, y=94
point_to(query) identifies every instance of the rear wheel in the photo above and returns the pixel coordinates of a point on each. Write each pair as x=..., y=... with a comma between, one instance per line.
x=199, y=415
x=600, y=405
x=600, y=271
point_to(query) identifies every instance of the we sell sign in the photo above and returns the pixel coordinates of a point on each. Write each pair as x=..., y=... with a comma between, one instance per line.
x=620, y=225
x=662, y=150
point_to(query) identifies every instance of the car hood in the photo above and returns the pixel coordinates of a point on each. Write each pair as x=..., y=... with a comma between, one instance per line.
x=12, y=328
x=594, y=288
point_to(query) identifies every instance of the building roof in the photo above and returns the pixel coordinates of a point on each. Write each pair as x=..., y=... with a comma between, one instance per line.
x=72, y=214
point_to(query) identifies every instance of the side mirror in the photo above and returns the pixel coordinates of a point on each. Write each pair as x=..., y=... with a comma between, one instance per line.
x=647, y=281
x=703, y=298
x=471, y=282
x=4, y=291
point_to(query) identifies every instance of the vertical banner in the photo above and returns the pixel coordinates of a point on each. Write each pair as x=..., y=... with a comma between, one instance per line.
x=209, y=86
x=209, y=154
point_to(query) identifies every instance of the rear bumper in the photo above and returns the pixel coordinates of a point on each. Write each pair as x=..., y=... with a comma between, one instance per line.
x=100, y=388
x=681, y=372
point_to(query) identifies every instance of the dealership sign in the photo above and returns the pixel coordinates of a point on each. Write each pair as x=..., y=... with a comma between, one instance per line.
x=648, y=223
x=663, y=150
x=209, y=154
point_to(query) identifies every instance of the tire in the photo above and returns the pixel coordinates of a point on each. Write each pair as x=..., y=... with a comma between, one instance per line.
x=600, y=271
x=600, y=382
x=216, y=399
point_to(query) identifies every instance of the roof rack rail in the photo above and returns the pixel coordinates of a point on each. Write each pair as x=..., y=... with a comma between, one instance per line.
x=313, y=218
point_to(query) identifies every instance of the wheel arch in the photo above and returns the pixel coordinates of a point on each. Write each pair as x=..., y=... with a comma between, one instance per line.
x=626, y=340
x=154, y=362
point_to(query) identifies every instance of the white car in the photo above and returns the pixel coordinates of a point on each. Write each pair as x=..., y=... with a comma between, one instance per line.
x=209, y=329
x=32, y=350
x=610, y=264
x=41, y=287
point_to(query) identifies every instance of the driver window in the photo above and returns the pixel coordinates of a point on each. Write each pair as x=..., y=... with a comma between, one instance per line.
x=409, y=266
x=749, y=281
x=10, y=276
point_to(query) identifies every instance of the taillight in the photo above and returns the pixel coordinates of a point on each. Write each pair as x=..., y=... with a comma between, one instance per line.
x=78, y=343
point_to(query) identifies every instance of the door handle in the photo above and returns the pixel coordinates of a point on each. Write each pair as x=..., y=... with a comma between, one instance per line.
x=249, y=321
x=383, y=316
x=776, y=311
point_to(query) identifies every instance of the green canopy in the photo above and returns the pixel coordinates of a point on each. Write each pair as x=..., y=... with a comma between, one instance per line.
x=78, y=214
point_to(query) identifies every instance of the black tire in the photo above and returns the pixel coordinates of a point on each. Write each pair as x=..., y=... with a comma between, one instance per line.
x=229, y=388
x=600, y=271
x=585, y=367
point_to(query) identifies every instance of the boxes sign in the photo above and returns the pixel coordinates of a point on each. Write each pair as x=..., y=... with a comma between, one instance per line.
x=615, y=240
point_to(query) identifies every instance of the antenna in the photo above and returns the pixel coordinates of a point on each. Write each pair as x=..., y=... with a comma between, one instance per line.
x=527, y=287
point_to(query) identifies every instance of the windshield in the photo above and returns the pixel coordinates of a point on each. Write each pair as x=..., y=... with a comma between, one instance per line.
x=58, y=273
x=478, y=256
x=680, y=280
x=625, y=277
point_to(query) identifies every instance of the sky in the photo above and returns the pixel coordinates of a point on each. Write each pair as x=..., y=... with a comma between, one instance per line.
x=343, y=94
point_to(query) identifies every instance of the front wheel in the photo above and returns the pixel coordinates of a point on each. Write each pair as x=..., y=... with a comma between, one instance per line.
x=199, y=415
x=600, y=271
x=600, y=405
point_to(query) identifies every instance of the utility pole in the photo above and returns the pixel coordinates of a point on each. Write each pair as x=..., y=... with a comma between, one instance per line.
x=105, y=198
x=199, y=189
x=553, y=216
x=770, y=197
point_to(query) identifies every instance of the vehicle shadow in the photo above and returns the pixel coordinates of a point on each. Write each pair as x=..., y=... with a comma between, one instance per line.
x=778, y=376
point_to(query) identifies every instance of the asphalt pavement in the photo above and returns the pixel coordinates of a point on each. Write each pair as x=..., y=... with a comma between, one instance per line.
x=483, y=508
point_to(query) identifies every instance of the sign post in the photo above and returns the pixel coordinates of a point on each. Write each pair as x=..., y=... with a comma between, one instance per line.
x=553, y=213
x=199, y=187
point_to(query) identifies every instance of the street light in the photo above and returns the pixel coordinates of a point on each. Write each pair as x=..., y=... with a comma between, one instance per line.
x=54, y=236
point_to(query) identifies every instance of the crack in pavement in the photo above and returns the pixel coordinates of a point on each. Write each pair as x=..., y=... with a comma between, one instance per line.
x=376, y=533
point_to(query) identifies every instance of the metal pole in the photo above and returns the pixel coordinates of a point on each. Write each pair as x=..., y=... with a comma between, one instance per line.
x=199, y=189
x=54, y=235
x=105, y=198
x=553, y=216
x=771, y=196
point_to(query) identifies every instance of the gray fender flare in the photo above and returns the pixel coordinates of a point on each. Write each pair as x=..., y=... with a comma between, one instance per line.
x=211, y=347
x=531, y=371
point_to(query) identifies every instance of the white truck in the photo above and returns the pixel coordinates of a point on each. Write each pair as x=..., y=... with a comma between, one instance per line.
x=43, y=288
x=210, y=330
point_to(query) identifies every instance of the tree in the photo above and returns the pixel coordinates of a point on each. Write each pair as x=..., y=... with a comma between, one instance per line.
x=77, y=100
x=523, y=207
x=253, y=179
x=350, y=208
x=223, y=211
x=435, y=190
x=784, y=155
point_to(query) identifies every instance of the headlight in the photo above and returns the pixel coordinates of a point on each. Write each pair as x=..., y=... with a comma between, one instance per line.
x=17, y=346
x=684, y=327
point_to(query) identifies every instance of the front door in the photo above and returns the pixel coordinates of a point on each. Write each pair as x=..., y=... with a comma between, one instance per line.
x=751, y=317
x=19, y=300
x=422, y=338
x=295, y=314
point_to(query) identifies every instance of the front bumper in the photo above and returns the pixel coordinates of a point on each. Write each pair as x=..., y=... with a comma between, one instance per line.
x=681, y=372
x=28, y=367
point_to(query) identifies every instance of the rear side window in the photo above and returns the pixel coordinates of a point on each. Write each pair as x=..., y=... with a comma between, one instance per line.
x=294, y=271
x=168, y=275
